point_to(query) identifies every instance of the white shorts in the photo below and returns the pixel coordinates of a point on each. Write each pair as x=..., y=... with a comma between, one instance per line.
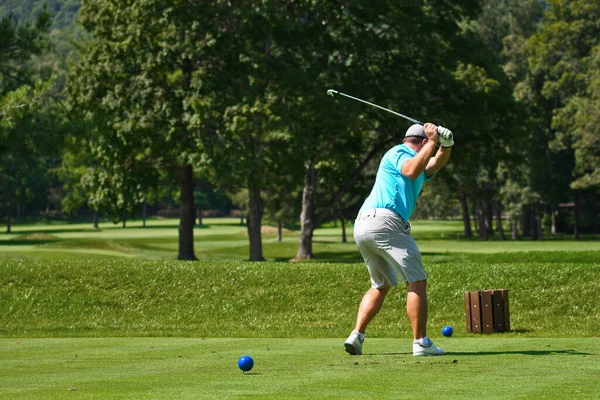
x=388, y=248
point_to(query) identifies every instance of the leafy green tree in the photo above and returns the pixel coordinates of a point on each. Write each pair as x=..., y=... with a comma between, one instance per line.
x=21, y=142
x=558, y=88
x=577, y=126
x=241, y=109
x=353, y=47
x=135, y=84
x=17, y=45
x=492, y=56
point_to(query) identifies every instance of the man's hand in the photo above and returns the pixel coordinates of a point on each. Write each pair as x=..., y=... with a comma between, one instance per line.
x=431, y=130
x=446, y=137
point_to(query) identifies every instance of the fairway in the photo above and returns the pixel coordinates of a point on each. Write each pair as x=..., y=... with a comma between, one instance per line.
x=225, y=238
x=478, y=367
x=111, y=314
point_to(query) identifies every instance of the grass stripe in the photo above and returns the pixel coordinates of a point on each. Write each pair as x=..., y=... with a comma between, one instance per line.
x=68, y=298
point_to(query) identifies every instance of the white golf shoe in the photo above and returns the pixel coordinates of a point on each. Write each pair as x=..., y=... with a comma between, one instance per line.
x=426, y=349
x=353, y=344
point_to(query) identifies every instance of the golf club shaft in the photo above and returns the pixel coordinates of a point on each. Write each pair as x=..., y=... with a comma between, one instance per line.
x=331, y=92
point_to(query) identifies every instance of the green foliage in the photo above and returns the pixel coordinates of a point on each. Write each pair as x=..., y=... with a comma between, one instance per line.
x=26, y=135
x=239, y=92
x=436, y=201
x=564, y=65
x=62, y=11
x=577, y=125
x=14, y=104
x=17, y=44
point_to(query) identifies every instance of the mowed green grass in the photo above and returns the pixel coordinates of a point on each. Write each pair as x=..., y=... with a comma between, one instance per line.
x=104, y=298
x=227, y=239
x=174, y=368
x=111, y=314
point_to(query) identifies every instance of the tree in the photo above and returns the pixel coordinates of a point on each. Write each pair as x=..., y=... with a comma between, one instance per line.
x=17, y=45
x=559, y=89
x=356, y=49
x=20, y=96
x=135, y=83
x=495, y=137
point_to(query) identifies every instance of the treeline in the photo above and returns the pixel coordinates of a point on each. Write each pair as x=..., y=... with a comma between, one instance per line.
x=216, y=97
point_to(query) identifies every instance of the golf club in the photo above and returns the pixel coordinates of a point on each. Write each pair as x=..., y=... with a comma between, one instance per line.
x=332, y=92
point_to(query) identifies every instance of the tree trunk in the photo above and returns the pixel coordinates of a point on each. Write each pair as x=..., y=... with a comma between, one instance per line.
x=255, y=213
x=8, y=221
x=533, y=225
x=95, y=218
x=307, y=216
x=539, y=231
x=279, y=229
x=144, y=213
x=499, y=221
x=481, y=215
x=343, y=223
x=525, y=221
x=186, y=214
x=489, y=217
x=576, y=226
x=199, y=215
x=475, y=216
x=513, y=228
x=309, y=219
x=124, y=219
x=465, y=214
x=553, y=220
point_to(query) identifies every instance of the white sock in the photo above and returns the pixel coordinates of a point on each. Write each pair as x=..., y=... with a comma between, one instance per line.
x=361, y=336
x=424, y=341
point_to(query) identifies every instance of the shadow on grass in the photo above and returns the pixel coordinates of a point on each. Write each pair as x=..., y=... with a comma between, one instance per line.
x=349, y=257
x=522, y=352
x=49, y=231
x=27, y=242
x=495, y=353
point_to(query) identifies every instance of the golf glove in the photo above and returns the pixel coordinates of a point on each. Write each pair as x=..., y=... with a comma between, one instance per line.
x=446, y=137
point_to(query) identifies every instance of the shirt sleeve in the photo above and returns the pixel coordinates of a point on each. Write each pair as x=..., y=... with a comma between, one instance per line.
x=402, y=157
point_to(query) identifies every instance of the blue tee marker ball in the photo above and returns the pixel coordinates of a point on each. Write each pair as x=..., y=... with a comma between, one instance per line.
x=447, y=331
x=245, y=363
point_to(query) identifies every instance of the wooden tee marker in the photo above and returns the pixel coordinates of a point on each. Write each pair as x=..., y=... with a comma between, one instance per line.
x=487, y=311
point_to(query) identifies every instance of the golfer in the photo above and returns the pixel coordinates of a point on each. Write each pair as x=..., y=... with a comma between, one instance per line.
x=382, y=232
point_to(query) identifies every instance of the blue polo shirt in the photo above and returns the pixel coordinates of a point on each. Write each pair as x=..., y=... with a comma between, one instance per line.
x=392, y=190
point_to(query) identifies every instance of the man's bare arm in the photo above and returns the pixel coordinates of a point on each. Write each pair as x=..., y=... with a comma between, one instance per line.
x=416, y=165
x=439, y=161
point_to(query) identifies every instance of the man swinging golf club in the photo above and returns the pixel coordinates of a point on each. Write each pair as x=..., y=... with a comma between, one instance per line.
x=382, y=232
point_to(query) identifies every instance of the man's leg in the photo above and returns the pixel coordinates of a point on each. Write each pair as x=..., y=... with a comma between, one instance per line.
x=369, y=307
x=416, y=308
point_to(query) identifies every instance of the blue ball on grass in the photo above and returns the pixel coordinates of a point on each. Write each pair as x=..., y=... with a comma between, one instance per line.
x=447, y=331
x=246, y=363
